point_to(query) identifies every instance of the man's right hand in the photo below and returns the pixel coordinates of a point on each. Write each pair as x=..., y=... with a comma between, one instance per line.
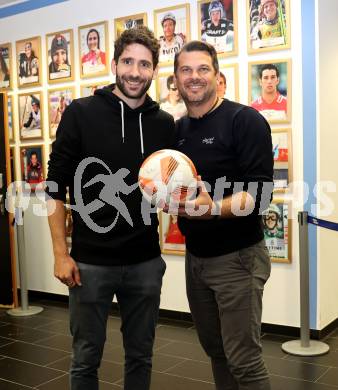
x=67, y=271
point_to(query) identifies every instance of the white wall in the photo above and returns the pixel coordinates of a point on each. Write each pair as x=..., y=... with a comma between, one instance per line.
x=327, y=156
x=281, y=301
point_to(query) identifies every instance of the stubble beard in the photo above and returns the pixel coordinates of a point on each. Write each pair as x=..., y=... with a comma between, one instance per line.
x=120, y=84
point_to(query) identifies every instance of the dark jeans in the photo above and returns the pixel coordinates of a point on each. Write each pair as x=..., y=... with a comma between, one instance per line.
x=225, y=298
x=137, y=288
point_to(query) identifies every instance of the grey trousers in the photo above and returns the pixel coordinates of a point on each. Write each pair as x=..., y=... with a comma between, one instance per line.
x=137, y=288
x=225, y=297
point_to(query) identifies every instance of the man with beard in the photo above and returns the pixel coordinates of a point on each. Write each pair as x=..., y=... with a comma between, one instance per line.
x=112, y=131
x=227, y=263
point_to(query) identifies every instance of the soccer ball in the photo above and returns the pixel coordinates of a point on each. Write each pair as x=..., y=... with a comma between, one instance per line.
x=167, y=176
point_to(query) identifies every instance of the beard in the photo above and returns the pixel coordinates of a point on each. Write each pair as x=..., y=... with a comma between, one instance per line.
x=121, y=84
x=195, y=98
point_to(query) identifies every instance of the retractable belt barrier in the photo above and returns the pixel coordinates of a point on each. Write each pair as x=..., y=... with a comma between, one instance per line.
x=305, y=346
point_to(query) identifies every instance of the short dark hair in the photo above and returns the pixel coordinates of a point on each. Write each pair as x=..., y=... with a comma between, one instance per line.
x=141, y=35
x=33, y=154
x=268, y=66
x=170, y=80
x=98, y=36
x=198, y=46
x=222, y=76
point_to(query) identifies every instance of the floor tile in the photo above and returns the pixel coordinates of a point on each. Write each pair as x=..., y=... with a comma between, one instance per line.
x=56, y=326
x=114, y=337
x=63, y=384
x=5, y=385
x=193, y=370
x=31, y=353
x=282, y=383
x=61, y=364
x=162, y=363
x=177, y=323
x=184, y=350
x=332, y=342
x=110, y=372
x=29, y=321
x=330, y=377
x=13, y=331
x=177, y=334
x=4, y=341
x=26, y=373
x=171, y=382
x=272, y=349
x=328, y=360
x=60, y=342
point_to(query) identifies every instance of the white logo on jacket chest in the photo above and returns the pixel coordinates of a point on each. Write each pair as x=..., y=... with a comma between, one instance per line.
x=208, y=141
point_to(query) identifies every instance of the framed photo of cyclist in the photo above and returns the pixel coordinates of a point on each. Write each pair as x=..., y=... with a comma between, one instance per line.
x=172, y=241
x=127, y=22
x=217, y=25
x=282, y=155
x=228, y=84
x=6, y=74
x=268, y=25
x=172, y=29
x=277, y=231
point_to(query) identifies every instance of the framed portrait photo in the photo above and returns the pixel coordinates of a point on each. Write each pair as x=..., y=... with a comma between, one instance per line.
x=127, y=22
x=94, y=49
x=277, y=231
x=12, y=163
x=60, y=56
x=168, y=96
x=58, y=101
x=228, y=83
x=172, y=29
x=270, y=89
x=89, y=89
x=28, y=54
x=171, y=239
x=282, y=156
x=217, y=25
x=5, y=66
x=11, y=137
x=32, y=165
x=30, y=115
x=268, y=25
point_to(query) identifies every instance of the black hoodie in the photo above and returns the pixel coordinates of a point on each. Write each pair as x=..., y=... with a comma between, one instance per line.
x=103, y=127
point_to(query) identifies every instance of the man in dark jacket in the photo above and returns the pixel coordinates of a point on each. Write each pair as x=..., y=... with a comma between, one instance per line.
x=101, y=143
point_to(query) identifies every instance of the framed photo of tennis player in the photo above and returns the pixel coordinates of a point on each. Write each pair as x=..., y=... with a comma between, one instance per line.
x=94, y=49
x=28, y=54
x=6, y=74
x=268, y=25
x=282, y=156
x=60, y=56
x=127, y=22
x=270, y=89
x=58, y=100
x=217, y=25
x=230, y=89
x=172, y=241
x=32, y=162
x=30, y=115
x=89, y=89
x=277, y=231
x=172, y=29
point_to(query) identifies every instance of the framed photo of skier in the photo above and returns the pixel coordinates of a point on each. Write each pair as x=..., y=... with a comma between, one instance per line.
x=6, y=74
x=268, y=25
x=228, y=83
x=30, y=115
x=94, y=50
x=58, y=101
x=32, y=164
x=60, y=56
x=89, y=89
x=281, y=146
x=28, y=54
x=217, y=25
x=127, y=22
x=277, y=231
x=270, y=89
x=168, y=96
x=172, y=29
x=172, y=241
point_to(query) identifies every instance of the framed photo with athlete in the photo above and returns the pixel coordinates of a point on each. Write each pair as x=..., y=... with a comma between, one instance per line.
x=270, y=89
x=94, y=49
x=172, y=29
x=268, y=25
x=228, y=83
x=11, y=137
x=172, y=241
x=12, y=163
x=277, y=231
x=30, y=115
x=6, y=74
x=127, y=22
x=282, y=156
x=168, y=96
x=60, y=56
x=28, y=55
x=58, y=101
x=32, y=165
x=217, y=25
x=89, y=89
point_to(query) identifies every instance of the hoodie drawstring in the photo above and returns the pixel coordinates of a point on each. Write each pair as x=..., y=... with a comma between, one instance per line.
x=140, y=127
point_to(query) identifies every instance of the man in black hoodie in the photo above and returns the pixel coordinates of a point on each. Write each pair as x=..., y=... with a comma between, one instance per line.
x=101, y=143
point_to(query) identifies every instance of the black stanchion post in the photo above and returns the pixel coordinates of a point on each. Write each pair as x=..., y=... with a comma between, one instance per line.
x=304, y=346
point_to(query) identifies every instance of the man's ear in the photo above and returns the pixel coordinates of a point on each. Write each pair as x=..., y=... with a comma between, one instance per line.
x=113, y=67
x=155, y=72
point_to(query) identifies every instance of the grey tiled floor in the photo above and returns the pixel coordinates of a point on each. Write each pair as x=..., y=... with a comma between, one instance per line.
x=35, y=354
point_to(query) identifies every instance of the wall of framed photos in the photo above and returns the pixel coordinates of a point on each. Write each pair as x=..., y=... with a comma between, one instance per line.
x=242, y=54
